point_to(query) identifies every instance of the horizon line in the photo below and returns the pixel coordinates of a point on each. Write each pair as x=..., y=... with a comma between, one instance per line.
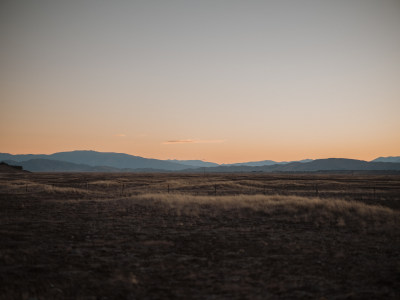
x=203, y=160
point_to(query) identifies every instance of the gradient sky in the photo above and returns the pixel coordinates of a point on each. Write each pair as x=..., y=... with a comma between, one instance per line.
x=224, y=81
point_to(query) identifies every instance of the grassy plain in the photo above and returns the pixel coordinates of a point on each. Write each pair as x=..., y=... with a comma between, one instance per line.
x=199, y=236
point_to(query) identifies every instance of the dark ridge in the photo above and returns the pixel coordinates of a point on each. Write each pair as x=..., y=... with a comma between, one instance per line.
x=6, y=168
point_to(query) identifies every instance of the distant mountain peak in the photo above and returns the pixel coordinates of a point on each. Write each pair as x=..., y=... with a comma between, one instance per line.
x=195, y=163
x=106, y=159
x=266, y=163
x=391, y=159
x=91, y=160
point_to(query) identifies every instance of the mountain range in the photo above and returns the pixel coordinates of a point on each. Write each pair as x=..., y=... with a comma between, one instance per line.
x=93, y=161
x=329, y=164
x=103, y=159
x=265, y=163
x=392, y=159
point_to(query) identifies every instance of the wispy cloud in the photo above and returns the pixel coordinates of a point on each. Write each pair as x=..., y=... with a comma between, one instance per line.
x=189, y=141
x=120, y=135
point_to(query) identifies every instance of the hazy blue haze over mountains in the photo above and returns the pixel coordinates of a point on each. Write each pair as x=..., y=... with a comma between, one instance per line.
x=92, y=161
x=107, y=159
x=264, y=163
x=392, y=159
x=49, y=165
x=195, y=163
x=122, y=160
x=330, y=164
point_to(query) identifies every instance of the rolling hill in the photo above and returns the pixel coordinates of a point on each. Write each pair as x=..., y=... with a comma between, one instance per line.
x=11, y=168
x=392, y=159
x=330, y=164
x=92, y=161
x=106, y=159
x=195, y=163
x=265, y=163
x=49, y=165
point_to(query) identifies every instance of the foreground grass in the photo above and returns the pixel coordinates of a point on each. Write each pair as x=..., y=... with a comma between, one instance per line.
x=76, y=243
x=320, y=212
x=378, y=190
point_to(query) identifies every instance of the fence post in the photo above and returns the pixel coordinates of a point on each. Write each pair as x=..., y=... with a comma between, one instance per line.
x=26, y=188
x=215, y=191
x=316, y=190
x=168, y=188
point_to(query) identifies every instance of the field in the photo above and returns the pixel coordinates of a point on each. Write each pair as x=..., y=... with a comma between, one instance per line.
x=199, y=236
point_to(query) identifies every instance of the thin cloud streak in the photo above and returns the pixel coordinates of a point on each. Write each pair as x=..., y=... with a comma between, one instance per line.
x=189, y=141
x=120, y=135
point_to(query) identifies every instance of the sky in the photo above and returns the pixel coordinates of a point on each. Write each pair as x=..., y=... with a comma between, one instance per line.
x=223, y=81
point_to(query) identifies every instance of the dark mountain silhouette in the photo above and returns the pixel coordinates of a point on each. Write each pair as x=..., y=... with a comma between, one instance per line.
x=392, y=159
x=11, y=168
x=92, y=161
x=49, y=165
x=265, y=163
x=337, y=164
x=194, y=163
x=254, y=163
x=330, y=164
x=107, y=159
x=122, y=160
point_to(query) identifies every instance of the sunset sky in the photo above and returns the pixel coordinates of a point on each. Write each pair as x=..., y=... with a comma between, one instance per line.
x=223, y=81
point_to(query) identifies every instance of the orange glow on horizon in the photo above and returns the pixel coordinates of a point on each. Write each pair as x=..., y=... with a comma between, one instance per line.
x=226, y=152
x=155, y=80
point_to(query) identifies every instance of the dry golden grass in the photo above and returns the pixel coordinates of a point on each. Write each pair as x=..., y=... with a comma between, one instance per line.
x=65, y=190
x=241, y=236
x=105, y=182
x=29, y=187
x=335, y=212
